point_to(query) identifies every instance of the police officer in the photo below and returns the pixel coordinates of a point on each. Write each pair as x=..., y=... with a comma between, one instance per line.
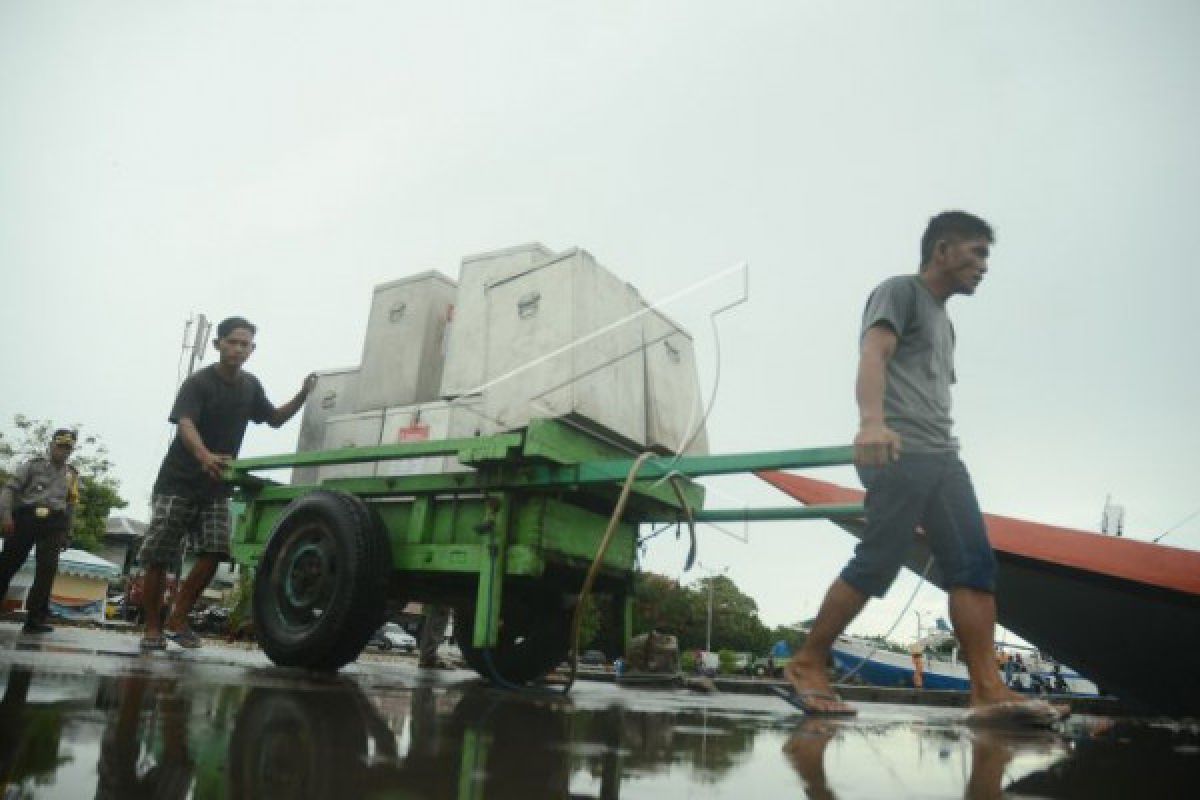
x=36, y=507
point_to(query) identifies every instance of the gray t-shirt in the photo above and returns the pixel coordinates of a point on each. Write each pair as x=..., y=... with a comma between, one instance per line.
x=916, y=402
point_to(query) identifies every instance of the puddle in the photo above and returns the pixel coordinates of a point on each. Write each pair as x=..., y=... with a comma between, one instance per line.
x=265, y=733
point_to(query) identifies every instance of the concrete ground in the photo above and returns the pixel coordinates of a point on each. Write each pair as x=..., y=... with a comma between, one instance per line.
x=84, y=713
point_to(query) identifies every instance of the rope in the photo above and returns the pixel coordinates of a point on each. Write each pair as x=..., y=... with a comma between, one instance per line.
x=614, y=520
x=900, y=616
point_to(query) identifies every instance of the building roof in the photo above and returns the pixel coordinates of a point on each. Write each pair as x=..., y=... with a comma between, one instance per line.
x=124, y=526
x=83, y=563
x=80, y=563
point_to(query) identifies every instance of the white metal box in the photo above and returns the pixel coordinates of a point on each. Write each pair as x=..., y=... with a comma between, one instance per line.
x=562, y=340
x=674, y=405
x=404, y=347
x=464, y=370
x=363, y=429
x=458, y=419
x=334, y=395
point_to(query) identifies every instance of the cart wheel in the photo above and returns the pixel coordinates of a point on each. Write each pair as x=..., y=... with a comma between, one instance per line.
x=535, y=627
x=293, y=743
x=321, y=587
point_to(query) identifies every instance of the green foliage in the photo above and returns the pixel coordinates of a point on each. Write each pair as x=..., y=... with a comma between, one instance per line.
x=239, y=611
x=793, y=636
x=663, y=605
x=96, y=499
x=99, y=490
x=687, y=661
x=589, y=625
x=726, y=659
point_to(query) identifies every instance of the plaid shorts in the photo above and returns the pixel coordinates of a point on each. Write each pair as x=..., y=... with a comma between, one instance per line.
x=205, y=524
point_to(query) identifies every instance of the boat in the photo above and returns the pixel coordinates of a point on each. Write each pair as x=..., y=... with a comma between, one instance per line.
x=1125, y=613
x=874, y=664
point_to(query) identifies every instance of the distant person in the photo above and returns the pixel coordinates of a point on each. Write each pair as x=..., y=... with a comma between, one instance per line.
x=1007, y=666
x=190, y=501
x=1060, y=683
x=918, y=660
x=37, y=507
x=907, y=459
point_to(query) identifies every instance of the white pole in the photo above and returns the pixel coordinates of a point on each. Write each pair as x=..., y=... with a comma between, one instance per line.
x=708, y=634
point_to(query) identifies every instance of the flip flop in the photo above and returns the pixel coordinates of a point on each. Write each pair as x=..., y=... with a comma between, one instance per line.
x=150, y=644
x=803, y=701
x=184, y=638
x=1017, y=714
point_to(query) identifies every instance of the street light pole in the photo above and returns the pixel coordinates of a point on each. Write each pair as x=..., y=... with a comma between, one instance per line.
x=708, y=632
x=712, y=575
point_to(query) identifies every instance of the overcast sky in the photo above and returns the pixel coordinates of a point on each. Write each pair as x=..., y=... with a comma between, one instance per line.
x=278, y=159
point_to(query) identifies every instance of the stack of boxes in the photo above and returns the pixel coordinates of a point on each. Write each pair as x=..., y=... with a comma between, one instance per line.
x=526, y=333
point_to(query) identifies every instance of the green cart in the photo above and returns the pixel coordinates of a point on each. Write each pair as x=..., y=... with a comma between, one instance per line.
x=544, y=515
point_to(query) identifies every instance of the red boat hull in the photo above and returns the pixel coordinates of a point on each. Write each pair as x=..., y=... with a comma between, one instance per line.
x=1125, y=613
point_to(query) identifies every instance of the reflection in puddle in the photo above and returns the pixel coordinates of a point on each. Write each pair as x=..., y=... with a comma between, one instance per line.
x=269, y=734
x=906, y=760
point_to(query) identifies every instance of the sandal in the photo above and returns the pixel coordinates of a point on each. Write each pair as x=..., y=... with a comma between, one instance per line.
x=184, y=638
x=803, y=700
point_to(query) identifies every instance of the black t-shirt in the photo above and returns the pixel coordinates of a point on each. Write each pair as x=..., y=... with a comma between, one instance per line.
x=220, y=410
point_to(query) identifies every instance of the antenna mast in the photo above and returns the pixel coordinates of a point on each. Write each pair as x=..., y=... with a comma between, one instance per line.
x=197, y=347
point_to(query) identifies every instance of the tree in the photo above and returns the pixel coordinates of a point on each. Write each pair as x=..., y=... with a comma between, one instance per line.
x=795, y=636
x=662, y=604
x=735, y=622
x=99, y=490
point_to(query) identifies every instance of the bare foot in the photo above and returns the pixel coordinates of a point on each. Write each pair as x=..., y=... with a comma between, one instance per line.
x=809, y=680
x=1001, y=695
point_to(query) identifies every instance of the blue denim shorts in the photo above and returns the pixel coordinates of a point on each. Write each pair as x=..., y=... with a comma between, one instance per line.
x=935, y=492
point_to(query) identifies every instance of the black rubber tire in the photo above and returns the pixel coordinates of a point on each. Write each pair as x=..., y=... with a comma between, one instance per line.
x=321, y=587
x=534, y=636
x=293, y=743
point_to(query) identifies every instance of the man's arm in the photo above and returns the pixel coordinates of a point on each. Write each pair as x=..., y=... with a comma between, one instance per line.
x=875, y=444
x=288, y=410
x=213, y=463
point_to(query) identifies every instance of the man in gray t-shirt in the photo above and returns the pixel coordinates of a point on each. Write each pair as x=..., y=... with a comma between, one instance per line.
x=916, y=403
x=907, y=458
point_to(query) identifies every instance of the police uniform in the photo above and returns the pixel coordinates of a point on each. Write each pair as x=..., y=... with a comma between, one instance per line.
x=39, y=500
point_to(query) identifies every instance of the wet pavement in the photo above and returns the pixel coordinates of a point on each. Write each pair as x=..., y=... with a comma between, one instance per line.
x=84, y=715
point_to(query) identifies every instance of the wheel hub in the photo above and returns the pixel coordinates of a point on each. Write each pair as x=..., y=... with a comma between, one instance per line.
x=305, y=577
